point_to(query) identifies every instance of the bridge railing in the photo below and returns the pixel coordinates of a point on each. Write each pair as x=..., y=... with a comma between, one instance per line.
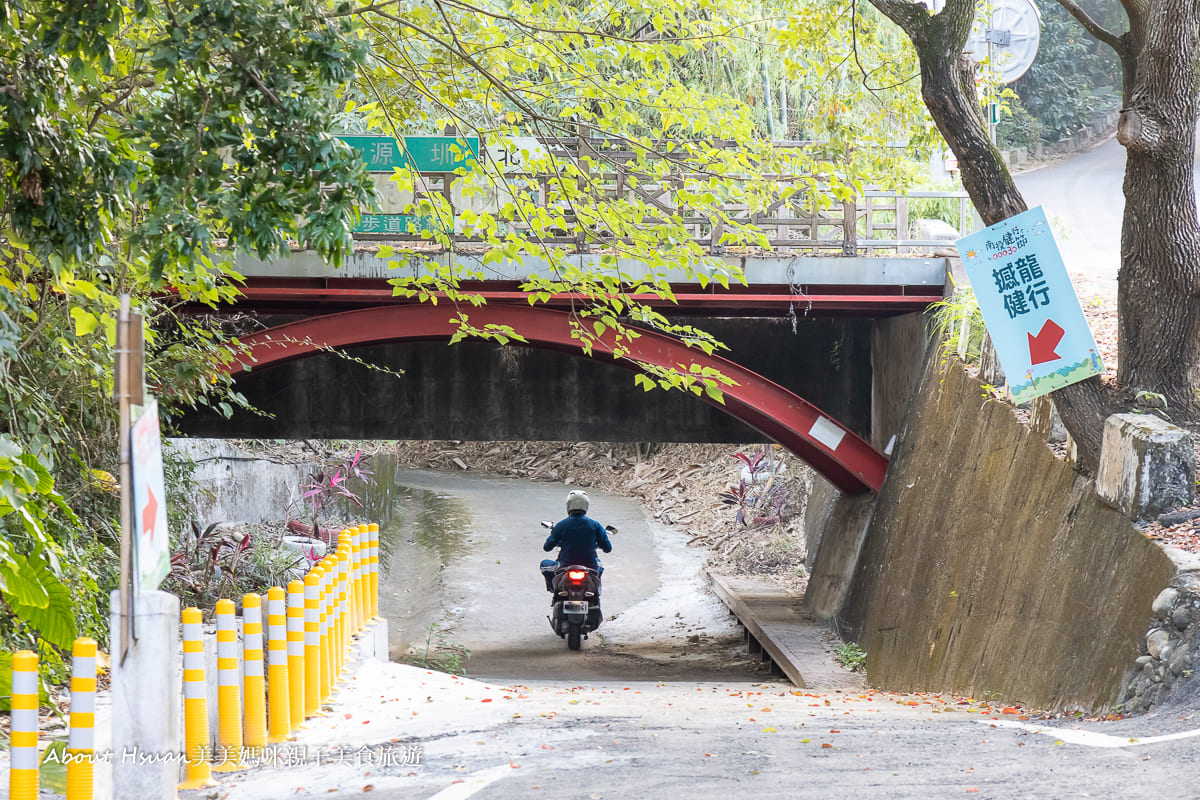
x=798, y=219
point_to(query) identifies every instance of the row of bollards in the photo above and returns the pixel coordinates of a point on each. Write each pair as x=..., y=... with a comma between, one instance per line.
x=23, y=781
x=309, y=630
x=308, y=633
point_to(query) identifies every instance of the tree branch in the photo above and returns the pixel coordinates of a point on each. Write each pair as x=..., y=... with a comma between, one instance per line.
x=913, y=18
x=1093, y=27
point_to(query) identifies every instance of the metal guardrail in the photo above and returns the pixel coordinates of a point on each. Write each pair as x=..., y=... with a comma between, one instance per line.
x=797, y=221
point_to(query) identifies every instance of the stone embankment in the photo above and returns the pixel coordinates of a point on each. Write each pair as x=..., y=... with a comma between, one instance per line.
x=1163, y=673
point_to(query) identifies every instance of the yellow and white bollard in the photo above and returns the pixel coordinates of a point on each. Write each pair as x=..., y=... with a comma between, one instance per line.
x=373, y=568
x=23, y=764
x=197, y=771
x=254, y=700
x=329, y=624
x=312, y=641
x=295, y=653
x=328, y=627
x=81, y=740
x=335, y=620
x=358, y=561
x=229, y=700
x=279, y=699
x=343, y=556
x=351, y=613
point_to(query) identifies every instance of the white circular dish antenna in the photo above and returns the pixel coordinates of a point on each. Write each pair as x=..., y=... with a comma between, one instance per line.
x=1011, y=36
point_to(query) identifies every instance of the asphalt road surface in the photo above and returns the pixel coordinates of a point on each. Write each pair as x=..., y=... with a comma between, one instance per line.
x=666, y=707
x=462, y=553
x=1084, y=201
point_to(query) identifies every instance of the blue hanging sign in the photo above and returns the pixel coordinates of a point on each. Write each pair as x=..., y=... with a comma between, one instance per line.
x=1029, y=305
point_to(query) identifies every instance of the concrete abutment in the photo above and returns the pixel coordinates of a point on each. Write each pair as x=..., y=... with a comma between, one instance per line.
x=986, y=564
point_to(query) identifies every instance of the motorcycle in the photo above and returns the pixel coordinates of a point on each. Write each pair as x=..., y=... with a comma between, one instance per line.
x=575, y=600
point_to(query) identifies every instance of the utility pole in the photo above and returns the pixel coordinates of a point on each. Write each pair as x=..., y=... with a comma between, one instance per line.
x=127, y=386
x=147, y=671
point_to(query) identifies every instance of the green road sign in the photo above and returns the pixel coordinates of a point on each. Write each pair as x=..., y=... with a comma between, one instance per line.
x=422, y=153
x=395, y=223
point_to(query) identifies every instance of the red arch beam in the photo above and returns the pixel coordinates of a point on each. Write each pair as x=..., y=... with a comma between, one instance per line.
x=839, y=454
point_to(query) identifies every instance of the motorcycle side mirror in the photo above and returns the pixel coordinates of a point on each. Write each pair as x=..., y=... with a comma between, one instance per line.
x=547, y=524
x=610, y=528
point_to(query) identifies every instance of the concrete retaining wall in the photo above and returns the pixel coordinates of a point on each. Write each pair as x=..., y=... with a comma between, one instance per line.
x=987, y=564
x=1099, y=128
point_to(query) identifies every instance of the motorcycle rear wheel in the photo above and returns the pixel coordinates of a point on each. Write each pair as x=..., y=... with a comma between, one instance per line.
x=574, y=635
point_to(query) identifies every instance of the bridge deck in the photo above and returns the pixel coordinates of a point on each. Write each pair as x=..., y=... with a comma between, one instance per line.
x=876, y=287
x=774, y=617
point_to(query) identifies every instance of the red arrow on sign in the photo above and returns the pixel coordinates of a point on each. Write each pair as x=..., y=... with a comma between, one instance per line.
x=1041, y=347
x=149, y=513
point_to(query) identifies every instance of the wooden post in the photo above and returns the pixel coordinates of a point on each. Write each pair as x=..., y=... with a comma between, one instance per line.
x=849, y=228
x=583, y=148
x=127, y=386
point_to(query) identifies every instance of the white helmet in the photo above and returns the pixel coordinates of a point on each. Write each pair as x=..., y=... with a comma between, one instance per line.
x=577, y=501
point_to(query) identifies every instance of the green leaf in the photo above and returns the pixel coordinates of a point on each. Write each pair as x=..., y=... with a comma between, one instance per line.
x=8, y=448
x=23, y=584
x=52, y=770
x=55, y=620
x=5, y=680
x=85, y=321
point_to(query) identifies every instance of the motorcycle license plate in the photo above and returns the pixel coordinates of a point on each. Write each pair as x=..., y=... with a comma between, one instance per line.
x=575, y=607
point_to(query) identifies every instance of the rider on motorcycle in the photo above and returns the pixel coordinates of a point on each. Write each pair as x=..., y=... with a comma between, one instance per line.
x=577, y=537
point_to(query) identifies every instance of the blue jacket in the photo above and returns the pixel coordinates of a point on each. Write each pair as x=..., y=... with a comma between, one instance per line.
x=578, y=536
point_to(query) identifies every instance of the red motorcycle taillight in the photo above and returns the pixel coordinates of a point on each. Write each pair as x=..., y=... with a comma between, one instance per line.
x=577, y=575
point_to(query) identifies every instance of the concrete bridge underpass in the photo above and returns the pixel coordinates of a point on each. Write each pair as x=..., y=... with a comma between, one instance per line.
x=829, y=379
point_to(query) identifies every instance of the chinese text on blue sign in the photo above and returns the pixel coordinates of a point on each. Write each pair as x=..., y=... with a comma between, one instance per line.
x=420, y=153
x=1029, y=306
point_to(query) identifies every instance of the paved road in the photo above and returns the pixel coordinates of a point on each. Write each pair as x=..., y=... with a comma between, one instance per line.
x=1083, y=199
x=462, y=552
x=705, y=741
x=545, y=722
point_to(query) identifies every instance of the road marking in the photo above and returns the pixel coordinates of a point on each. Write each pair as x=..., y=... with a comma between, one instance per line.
x=1090, y=738
x=473, y=783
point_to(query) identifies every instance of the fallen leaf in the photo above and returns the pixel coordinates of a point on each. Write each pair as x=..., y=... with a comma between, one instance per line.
x=768, y=730
x=370, y=787
x=826, y=744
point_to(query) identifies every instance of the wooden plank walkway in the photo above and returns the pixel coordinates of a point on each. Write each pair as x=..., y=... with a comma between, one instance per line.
x=775, y=619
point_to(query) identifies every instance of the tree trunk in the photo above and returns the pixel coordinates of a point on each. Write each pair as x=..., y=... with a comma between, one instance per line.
x=956, y=113
x=948, y=89
x=1158, y=299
